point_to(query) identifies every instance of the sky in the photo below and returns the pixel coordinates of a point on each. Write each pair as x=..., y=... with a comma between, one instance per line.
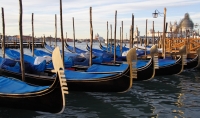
x=103, y=11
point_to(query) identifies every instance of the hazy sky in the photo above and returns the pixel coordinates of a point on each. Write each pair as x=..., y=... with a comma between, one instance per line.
x=102, y=11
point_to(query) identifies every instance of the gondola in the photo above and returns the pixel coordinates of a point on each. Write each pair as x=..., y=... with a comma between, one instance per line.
x=193, y=62
x=87, y=81
x=124, y=48
x=112, y=82
x=174, y=68
x=104, y=50
x=48, y=47
x=111, y=49
x=38, y=63
x=97, y=57
x=74, y=49
x=71, y=59
x=107, y=56
x=78, y=56
x=171, y=66
x=15, y=93
x=146, y=71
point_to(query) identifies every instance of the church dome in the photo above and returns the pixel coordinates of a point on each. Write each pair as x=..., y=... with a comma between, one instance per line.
x=186, y=22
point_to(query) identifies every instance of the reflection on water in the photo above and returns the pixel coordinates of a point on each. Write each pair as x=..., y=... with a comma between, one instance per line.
x=164, y=96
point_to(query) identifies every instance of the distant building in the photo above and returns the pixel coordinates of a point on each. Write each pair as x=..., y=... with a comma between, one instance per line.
x=185, y=28
x=99, y=38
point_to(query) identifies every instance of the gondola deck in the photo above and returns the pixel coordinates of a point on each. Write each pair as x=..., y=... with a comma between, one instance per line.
x=51, y=99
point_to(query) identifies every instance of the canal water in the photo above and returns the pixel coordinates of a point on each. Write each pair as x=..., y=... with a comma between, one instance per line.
x=174, y=96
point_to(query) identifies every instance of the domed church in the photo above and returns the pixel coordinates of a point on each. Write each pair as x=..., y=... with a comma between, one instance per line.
x=186, y=23
x=185, y=27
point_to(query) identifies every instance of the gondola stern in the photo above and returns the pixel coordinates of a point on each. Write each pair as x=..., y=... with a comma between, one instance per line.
x=131, y=58
x=183, y=54
x=59, y=68
x=154, y=56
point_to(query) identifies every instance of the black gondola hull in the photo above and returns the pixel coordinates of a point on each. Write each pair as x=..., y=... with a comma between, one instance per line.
x=145, y=73
x=50, y=100
x=193, y=63
x=175, y=68
x=116, y=83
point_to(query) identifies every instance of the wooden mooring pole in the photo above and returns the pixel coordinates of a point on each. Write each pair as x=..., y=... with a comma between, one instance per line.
x=132, y=32
x=107, y=36
x=115, y=36
x=153, y=37
x=61, y=29
x=55, y=29
x=110, y=38
x=3, y=35
x=21, y=40
x=120, y=38
x=73, y=34
x=122, y=33
x=163, y=37
x=32, y=34
x=91, y=36
x=146, y=39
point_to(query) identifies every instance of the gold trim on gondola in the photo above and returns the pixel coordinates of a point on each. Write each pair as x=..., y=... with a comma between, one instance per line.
x=155, y=58
x=183, y=54
x=59, y=67
x=153, y=53
x=131, y=58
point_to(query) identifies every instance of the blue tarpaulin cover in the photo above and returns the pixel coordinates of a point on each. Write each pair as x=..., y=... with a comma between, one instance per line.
x=106, y=68
x=75, y=75
x=14, y=86
x=70, y=58
x=27, y=59
x=14, y=66
x=165, y=62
